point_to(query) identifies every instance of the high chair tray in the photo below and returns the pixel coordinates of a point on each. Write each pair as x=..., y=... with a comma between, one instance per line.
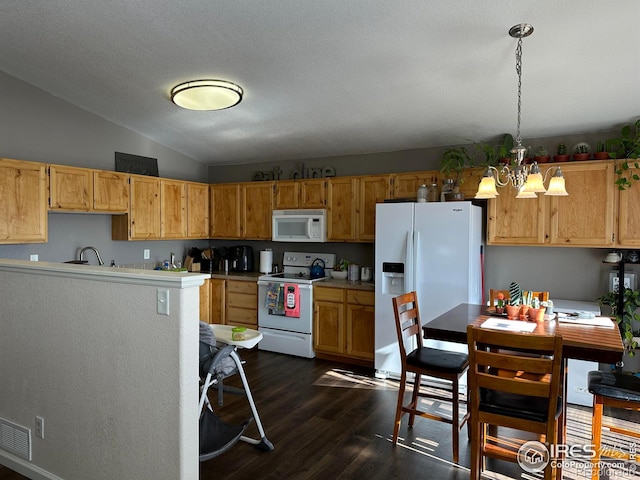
x=223, y=334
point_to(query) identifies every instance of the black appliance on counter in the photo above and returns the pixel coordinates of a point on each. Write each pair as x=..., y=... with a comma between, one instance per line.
x=241, y=258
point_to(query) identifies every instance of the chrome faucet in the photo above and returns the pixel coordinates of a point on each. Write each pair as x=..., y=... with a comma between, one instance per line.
x=100, y=262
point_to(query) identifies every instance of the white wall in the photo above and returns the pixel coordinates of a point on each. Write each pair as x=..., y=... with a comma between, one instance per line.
x=116, y=383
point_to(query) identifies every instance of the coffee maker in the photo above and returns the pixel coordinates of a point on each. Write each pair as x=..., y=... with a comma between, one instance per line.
x=241, y=258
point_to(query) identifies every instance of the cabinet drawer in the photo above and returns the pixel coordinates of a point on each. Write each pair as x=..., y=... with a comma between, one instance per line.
x=239, y=286
x=360, y=297
x=242, y=315
x=242, y=300
x=328, y=294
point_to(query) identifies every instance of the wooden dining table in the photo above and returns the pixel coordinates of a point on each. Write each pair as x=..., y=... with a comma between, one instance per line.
x=581, y=342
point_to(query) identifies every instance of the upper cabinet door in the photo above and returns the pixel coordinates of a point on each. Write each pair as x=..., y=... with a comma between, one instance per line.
x=313, y=193
x=372, y=190
x=342, y=195
x=23, y=196
x=257, y=202
x=287, y=194
x=173, y=209
x=70, y=188
x=629, y=217
x=197, y=210
x=145, y=208
x=516, y=221
x=586, y=216
x=110, y=191
x=405, y=185
x=225, y=211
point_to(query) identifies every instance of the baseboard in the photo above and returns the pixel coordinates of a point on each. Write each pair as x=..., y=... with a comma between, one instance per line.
x=23, y=467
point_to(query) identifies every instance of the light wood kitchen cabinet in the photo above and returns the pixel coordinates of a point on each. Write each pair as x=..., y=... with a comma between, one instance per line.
x=212, y=301
x=405, y=185
x=242, y=303
x=23, y=196
x=372, y=189
x=257, y=208
x=628, y=235
x=173, y=209
x=342, y=211
x=300, y=194
x=584, y=218
x=75, y=189
x=225, y=211
x=143, y=220
x=197, y=210
x=344, y=324
x=70, y=188
x=471, y=178
x=110, y=191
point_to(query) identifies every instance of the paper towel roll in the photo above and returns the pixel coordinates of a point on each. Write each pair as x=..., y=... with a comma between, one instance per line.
x=266, y=261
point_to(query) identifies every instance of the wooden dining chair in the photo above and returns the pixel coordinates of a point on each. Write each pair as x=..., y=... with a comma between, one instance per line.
x=419, y=360
x=526, y=400
x=614, y=390
x=493, y=296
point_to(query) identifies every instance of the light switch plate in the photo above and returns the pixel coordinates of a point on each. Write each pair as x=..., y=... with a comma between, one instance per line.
x=163, y=301
x=146, y=254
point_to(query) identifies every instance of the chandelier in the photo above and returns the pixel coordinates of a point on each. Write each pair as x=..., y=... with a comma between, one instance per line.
x=526, y=179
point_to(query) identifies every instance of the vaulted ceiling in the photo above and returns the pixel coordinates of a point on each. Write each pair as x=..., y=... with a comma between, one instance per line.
x=331, y=77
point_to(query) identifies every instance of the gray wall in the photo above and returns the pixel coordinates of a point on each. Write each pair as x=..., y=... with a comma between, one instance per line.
x=39, y=127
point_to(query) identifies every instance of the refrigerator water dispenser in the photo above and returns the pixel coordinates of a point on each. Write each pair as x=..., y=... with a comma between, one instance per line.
x=393, y=278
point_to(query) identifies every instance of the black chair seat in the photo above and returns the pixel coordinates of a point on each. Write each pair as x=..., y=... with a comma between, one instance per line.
x=514, y=405
x=615, y=385
x=438, y=360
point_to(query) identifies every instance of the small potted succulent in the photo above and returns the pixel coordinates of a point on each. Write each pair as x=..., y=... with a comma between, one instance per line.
x=601, y=152
x=562, y=155
x=500, y=304
x=581, y=152
x=541, y=155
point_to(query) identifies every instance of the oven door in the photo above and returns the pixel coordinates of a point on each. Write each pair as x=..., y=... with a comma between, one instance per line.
x=266, y=317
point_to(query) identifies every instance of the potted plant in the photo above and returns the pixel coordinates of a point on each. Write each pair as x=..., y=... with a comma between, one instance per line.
x=628, y=322
x=581, y=152
x=454, y=160
x=503, y=152
x=626, y=146
x=340, y=269
x=562, y=155
x=601, y=152
x=541, y=155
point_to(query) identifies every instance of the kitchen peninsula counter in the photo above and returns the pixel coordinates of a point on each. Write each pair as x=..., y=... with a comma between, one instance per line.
x=340, y=283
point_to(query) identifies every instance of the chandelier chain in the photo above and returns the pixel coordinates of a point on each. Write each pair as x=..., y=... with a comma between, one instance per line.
x=519, y=72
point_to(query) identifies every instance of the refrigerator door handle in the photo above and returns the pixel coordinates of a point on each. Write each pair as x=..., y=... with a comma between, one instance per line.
x=409, y=263
x=416, y=260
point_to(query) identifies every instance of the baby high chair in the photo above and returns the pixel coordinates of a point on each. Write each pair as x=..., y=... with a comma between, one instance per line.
x=218, y=361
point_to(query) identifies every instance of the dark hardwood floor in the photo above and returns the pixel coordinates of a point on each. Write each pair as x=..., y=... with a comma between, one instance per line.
x=334, y=421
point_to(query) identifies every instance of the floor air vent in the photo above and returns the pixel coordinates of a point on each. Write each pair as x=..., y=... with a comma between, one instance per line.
x=15, y=439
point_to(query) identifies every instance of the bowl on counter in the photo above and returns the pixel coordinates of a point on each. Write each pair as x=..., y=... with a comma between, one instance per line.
x=339, y=274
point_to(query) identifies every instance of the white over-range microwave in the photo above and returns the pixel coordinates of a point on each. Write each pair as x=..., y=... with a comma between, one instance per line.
x=299, y=225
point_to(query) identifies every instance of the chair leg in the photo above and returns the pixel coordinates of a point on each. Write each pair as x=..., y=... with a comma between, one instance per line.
x=396, y=425
x=596, y=435
x=414, y=398
x=476, y=447
x=455, y=420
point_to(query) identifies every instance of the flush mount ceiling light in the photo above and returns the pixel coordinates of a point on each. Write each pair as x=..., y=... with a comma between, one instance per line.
x=527, y=180
x=206, y=95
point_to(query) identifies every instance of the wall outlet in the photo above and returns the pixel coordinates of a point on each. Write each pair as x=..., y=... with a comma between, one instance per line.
x=40, y=427
x=146, y=253
x=33, y=257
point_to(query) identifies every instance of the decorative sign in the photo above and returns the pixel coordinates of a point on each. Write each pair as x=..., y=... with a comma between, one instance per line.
x=300, y=173
x=128, y=163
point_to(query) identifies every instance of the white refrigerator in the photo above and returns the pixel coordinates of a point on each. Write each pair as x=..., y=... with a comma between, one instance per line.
x=433, y=248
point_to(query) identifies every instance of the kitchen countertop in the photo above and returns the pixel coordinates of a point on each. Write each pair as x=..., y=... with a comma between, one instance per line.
x=328, y=282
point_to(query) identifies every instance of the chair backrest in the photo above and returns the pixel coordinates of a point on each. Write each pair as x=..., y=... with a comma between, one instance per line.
x=493, y=296
x=408, y=326
x=536, y=374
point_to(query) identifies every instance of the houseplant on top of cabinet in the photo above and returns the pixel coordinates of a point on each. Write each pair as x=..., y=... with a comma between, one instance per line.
x=601, y=152
x=541, y=155
x=626, y=146
x=454, y=160
x=562, y=153
x=581, y=151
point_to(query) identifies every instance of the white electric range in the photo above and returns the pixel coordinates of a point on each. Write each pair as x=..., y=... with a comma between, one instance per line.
x=292, y=335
